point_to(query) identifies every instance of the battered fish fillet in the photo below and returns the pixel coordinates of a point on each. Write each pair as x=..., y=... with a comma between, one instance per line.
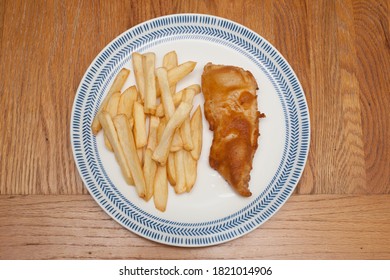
x=231, y=110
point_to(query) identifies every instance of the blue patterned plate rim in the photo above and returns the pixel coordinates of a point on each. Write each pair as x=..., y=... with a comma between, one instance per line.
x=206, y=233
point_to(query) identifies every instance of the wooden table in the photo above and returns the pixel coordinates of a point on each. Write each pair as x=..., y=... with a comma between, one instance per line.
x=340, y=50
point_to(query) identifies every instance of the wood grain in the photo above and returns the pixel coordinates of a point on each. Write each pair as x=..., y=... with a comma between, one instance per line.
x=292, y=41
x=2, y=8
x=372, y=29
x=340, y=51
x=39, y=80
x=308, y=226
x=318, y=40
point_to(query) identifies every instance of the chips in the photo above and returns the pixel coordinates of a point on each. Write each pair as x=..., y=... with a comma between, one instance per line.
x=108, y=126
x=162, y=150
x=149, y=127
x=150, y=83
x=126, y=141
x=140, y=133
x=116, y=86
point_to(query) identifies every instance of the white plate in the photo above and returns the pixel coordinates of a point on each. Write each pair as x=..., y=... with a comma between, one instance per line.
x=212, y=212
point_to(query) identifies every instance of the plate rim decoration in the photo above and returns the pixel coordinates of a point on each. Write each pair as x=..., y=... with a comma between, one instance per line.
x=207, y=28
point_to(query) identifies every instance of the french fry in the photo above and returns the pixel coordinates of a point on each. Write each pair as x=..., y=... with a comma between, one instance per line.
x=112, y=104
x=127, y=143
x=149, y=169
x=166, y=96
x=131, y=122
x=190, y=170
x=196, y=133
x=171, y=172
x=177, y=142
x=166, y=151
x=159, y=111
x=107, y=143
x=139, y=74
x=185, y=129
x=160, y=129
x=161, y=152
x=188, y=95
x=150, y=166
x=140, y=153
x=179, y=72
x=169, y=62
x=112, y=109
x=168, y=105
x=158, y=91
x=177, y=99
x=160, y=190
x=140, y=134
x=109, y=129
x=150, y=83
x=180, y=186
x=154, y=124
x=117, y=85
x=126, y=102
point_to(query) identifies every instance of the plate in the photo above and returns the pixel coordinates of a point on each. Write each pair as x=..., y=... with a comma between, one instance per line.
x=212, y=212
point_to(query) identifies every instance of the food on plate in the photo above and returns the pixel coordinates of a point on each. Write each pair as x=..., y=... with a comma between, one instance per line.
x=179, y=72
x=138, y=68
x=196, y=133
x=149, y=125
x=126, y=102
x=109, y=129
x=190, y=170
x=180, y=186
x=112, y=109
x=185, y=129
x=150, y=166
x=169, y=62
x=177, y=98
x=117, y=85
x=171, y=169
x=166, y=95
x=160, y=186
x=126, y=141
x=232, y=112
x=160, y=197
x=140, y=133
x=162, y=150
x=177, y=142
x=150, y=83
x=168, y=105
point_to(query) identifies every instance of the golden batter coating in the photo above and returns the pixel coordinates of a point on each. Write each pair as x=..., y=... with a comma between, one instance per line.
x=232, y=112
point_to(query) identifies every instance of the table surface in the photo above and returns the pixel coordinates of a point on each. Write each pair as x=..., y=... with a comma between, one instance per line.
x=340, y=51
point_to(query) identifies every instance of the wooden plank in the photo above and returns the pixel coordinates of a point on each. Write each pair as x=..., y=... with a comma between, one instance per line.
x=306, y=227
x=39, y=81
x=2, y=11
x=337, y=155
x=372, y=28
x=352, y=164
x=291, y=26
